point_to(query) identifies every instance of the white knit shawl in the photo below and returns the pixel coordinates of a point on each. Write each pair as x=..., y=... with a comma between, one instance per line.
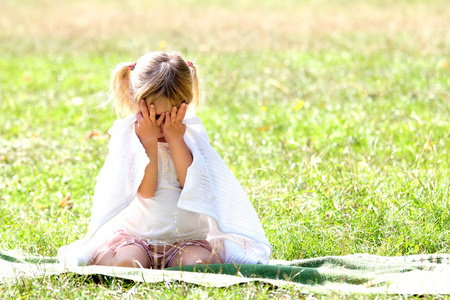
x=210, y=189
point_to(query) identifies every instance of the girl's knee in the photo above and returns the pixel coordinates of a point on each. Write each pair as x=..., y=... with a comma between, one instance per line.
x=215, y=258
x=132, y=256
x=104, y=258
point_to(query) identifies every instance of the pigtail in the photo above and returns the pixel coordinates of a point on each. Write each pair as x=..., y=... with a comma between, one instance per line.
x=196, y=103
x=121, y=88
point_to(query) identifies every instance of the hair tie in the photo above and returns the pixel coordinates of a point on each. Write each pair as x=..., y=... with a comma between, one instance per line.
x=132, y=66
x=190, y=64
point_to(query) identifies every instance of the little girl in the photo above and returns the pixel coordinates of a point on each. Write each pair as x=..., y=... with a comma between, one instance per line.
x=164, y=197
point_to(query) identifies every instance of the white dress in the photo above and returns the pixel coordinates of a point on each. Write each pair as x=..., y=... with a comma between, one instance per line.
x=210, y=190
x=159, y=220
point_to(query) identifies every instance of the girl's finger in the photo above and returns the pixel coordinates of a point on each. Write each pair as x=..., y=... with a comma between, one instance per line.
x=181, y=112
x=168, y=118
x=144, y=108
x=152, y=113
x=174, y=113
x=161, y=119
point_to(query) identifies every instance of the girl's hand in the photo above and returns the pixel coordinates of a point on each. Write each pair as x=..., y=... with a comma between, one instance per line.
x=174, y=128
x=147, y=127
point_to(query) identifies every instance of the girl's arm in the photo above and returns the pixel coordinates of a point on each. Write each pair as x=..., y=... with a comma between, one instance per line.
x=147, y=129
x=174, y=130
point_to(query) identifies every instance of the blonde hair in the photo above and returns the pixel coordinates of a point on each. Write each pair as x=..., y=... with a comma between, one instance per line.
x=155, y=76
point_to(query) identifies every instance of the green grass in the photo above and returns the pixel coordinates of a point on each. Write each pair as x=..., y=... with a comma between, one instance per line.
x=338, y=132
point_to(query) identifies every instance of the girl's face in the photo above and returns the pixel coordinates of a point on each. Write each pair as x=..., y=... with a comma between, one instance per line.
x=161, y=106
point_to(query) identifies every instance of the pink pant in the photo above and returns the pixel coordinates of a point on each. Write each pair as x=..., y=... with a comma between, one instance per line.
x=160, y=256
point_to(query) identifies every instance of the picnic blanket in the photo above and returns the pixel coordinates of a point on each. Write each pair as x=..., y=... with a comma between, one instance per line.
x=358, y=273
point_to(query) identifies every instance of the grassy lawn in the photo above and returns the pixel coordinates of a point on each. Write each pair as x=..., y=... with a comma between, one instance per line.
x=333, y=116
